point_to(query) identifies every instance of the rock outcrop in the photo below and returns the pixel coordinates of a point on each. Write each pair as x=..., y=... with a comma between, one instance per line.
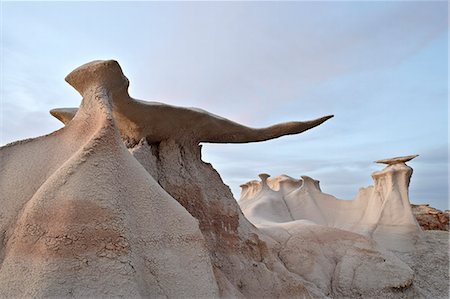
x=118, y=203
x=381, y=212
x=332, y=242
x=430, y=218
x=82, y=218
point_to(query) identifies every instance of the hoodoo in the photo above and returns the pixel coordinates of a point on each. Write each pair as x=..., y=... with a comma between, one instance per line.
x=382, y=212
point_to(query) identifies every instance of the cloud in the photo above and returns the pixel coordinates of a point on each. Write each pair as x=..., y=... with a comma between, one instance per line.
x=245, y=54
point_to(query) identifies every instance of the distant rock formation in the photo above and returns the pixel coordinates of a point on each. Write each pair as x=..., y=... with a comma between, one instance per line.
x=381, y=212
x=430, y=218
x=118, y=203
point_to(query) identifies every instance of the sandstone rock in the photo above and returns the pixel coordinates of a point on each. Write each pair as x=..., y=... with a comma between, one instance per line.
x=430, y=218
x=314, y=231
x=91, y=221
x=396, y=160
x=381, y=212
x=82, y=218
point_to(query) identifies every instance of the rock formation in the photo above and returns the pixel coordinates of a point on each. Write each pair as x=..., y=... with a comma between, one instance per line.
x=310, y=223
x=81, y=217
x=430, y=218
x=119, y=203
x=381, y=212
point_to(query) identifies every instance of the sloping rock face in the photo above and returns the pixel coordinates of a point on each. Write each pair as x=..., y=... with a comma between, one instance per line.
x=118, y=203
x=430, y=218
x=82, y=218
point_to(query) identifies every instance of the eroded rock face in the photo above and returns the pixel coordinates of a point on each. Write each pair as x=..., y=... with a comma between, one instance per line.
x=91, y=221
x=381, y=212
x=349, y=249
x=81, y=217
x=119, y=203
x=430, y=218
x=243, y=259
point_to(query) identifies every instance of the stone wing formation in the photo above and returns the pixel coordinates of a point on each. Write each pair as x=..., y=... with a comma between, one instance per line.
x=158, y=121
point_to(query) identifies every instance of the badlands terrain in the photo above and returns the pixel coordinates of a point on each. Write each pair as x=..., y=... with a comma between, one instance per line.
x=118, y=203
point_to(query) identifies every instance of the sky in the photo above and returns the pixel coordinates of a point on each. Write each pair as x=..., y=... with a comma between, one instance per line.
x=380, y=67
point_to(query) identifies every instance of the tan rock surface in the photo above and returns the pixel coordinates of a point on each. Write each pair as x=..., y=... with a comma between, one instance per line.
x=322, y=237
x=430, y=262
x=381, y=212
x=430, y=218
x=396, y=160
x=82, y=218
